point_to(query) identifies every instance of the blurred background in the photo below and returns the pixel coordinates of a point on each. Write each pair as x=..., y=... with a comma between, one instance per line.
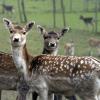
x=82, y=16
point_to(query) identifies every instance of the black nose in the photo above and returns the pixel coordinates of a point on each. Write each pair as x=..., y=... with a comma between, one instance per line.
x=52, y=44
x=16, y=40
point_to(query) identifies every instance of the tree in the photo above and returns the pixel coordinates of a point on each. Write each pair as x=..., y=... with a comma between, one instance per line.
x=22, y=12
x=63, y=12
x=54, y=13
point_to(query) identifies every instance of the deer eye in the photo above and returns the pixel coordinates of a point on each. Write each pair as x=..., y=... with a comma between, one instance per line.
x=24, y=33
x=46, y=37
x=11, y=31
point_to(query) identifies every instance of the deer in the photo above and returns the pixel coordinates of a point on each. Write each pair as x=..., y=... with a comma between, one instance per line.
x=51, y=43
x=46, y=73
x=88, y=21
x=9, y=79
x=8, y=8
x=70, y=48
x=94, y=43
x=51, y=40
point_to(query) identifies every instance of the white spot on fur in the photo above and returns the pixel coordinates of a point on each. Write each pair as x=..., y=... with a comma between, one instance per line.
x=84, y=66
x=82, y=76
x=71, y=64
x=80, y=71
x=67, y=66
x=45, y=63
x=77, y=72
x=71, y=70
x=82, y=62
x=93, y=66
x=85, y=62
x=79, y=66
x=64, y=66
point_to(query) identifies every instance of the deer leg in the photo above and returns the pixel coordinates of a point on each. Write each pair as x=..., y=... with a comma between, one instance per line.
x=43, y=94
x=72, y=98
x=89, y=97
x=23, y=89
x=34, y=96
x=21, y=96
x=50, y=96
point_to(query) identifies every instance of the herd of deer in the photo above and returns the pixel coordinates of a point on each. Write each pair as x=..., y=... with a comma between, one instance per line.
x=47, y=74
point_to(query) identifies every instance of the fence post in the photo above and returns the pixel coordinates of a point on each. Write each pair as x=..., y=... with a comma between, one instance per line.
x=63, y=12
x=54, y=13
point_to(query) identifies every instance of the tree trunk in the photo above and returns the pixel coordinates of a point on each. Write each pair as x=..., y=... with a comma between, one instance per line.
x=19, y=10
x=3, y=3
x=70, y=5
x=63, y=12
x=23, y=11
x=96, y=16
x=54, y=13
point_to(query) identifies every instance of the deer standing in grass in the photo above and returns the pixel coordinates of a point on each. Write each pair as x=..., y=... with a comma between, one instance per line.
x=8, y=8
x=46, y=74
x=94, y=43
x=88, y=21
x=70, y=48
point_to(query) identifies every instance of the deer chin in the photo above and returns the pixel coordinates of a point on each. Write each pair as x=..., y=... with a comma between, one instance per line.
x=51, y=48
x=18, y=44
x=15, y=44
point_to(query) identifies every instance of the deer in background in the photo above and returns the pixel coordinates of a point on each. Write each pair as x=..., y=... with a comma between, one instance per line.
x=88, y=21
x=8, y=8
x=51, y=40
x=94, y=43
x=45, y=73
x=70, y=48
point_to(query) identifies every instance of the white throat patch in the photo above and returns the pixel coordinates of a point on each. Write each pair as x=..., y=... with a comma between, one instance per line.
x=19, y=60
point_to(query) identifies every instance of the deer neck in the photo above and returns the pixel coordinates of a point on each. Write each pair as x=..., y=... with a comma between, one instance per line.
x=21, y=59
x=51, y=52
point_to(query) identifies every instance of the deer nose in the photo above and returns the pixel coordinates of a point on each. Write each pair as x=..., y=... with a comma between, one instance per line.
x=16, y=40
x=52, y=44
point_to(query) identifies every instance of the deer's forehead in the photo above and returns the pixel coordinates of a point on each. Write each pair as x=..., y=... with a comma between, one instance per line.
x=51, y=35
x=18, y=29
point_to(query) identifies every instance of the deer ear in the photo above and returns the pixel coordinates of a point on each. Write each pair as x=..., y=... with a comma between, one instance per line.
x=29, y=26
x=41, y=29
x=64, y=30
x=8, y=23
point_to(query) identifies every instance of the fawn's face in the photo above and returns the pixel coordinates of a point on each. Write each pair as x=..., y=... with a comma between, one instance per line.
x=51, y=39
x=17, y=33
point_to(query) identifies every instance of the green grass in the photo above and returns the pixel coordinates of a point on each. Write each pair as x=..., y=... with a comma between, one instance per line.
x=41, y=12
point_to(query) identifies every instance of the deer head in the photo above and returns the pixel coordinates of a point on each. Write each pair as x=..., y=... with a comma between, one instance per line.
x=51, y=39
x=17, y=33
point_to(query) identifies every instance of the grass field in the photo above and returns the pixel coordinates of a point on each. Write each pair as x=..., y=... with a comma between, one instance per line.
x=41, y=12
